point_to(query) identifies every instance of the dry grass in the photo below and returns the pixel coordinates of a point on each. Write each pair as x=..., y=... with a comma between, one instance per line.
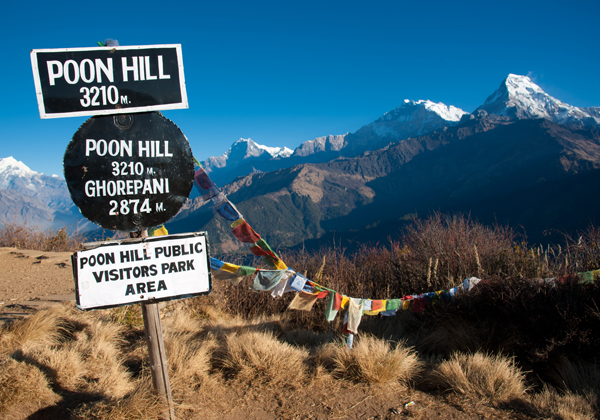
x=76, y=355
x=41, y=330
x=21, y=383
x=373, y=360
x=23, y=236
x=259, y=357
x=142, y=403
x=189, y=356
x=581, y=378
x=565, y=406
x=80, y=363
x=483, y=377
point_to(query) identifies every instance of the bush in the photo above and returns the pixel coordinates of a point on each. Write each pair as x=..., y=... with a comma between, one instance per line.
x=481, y=377
x=22, y=236
x=375, y=361
x=434, y=254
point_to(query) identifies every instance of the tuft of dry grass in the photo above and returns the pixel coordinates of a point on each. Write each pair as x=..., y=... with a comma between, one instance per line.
x=581, y=378
x=479, y=376
x=565, y=406
x=43, y=329
x=142, y=403
x=258, y=356
x=189, y=356
x=373, y=360
x=21, y=383
x=76, y=352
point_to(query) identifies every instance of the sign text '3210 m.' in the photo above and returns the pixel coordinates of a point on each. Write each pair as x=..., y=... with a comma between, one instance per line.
x=108, y=80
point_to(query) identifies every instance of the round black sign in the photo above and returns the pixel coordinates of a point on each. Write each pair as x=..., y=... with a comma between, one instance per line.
x=129, y=171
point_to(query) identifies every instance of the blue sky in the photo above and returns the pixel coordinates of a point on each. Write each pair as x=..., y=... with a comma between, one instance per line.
x=283, y=72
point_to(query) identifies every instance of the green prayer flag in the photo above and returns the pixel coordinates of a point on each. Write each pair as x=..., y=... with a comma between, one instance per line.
x=393, y=304
x=245, y=271
x=330, y=312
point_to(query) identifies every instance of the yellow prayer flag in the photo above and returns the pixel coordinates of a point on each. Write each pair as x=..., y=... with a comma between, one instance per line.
x=230, y=268
x=161, y=231
x=304, y=301
x=237, y=223
x=376, y=311
x=280, y=265
x=345, y=300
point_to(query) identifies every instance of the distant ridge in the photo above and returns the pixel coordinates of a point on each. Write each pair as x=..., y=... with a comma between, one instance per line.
x=411, y=119
x=31, y=197
x=523, y=158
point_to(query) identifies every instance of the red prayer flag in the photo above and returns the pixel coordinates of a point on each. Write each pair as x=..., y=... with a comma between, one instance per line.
x=418, y=305
x=377, y=305
x=202, y=179
x=245, y=233
x=337, y=303
x=259, y=252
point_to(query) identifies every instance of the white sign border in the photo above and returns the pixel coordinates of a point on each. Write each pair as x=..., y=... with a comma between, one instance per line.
x=137, y=242
x=38, y=84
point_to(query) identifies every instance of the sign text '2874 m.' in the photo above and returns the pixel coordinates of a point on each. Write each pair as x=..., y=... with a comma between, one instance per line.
x=108, y=80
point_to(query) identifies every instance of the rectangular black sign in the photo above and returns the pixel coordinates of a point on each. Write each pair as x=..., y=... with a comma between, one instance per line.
x=73, y=82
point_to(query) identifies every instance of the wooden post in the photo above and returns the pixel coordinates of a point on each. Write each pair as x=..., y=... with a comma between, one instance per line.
x=158, y=358
x=156, y=350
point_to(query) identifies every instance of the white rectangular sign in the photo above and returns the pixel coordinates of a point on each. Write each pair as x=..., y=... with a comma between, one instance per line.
x=72, y=82
x=161, y=268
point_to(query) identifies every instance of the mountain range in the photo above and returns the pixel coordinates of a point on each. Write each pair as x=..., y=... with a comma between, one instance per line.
x=522, y=158
x=36, y=199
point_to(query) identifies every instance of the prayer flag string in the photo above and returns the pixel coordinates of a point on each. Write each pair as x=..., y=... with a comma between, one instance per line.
x=281, y=279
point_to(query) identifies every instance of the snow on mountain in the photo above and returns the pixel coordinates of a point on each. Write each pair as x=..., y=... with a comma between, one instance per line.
x=16, y=176
x=245, y=149
x=414, y=118
x=411, y=119
x=12, y=170
x=31, y=197
x=518, y=97
x=594, y=111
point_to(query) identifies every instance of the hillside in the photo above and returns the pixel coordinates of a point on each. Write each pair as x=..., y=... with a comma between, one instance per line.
x=520, y=172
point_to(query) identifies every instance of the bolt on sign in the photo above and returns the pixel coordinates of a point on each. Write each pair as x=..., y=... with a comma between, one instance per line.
x=128, y=172
x=108, y=80
x=158, y=268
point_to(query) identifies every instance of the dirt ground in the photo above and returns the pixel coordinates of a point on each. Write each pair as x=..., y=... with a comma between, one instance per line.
x=30, y=280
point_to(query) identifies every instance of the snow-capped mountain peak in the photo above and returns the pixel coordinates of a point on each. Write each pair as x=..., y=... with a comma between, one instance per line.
x=50, y=194
x=11, y=169
x=410, y=119
x=253, y=149
x=244, y=149
x=448, y=113
x=518, y=97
